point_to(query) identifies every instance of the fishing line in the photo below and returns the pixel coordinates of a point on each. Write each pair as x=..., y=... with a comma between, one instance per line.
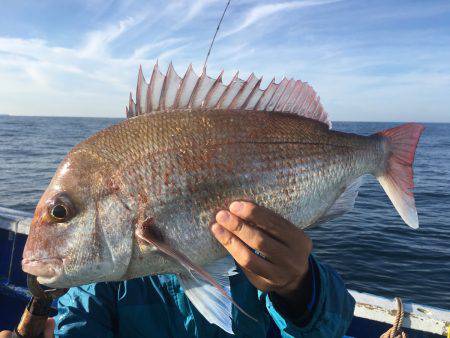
x=13, y=249
x=215, y=34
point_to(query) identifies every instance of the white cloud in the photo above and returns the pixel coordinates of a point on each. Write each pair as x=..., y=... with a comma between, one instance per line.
x=260, y=12
x=98, y=41
x=167, y=54
x=143, y=51
x=196, y=8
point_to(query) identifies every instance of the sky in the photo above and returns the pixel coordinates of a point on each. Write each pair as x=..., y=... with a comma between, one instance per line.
x=368, y=60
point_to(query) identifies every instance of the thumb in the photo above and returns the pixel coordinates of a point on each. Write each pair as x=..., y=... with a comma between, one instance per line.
x=49, y=328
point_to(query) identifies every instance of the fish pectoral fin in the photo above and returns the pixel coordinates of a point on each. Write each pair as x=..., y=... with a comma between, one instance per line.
x=343, y=204
x=210, y=292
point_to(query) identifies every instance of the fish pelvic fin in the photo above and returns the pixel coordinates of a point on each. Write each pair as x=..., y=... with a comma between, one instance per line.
x=169, y=91
x=208, y=293
x=397, y=177
x=206, y=298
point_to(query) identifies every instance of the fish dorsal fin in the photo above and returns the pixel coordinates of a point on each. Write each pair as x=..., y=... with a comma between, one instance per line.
x=170, y=91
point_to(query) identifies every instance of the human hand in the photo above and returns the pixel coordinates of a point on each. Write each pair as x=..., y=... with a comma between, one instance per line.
x=48, y=331
x=285, y=248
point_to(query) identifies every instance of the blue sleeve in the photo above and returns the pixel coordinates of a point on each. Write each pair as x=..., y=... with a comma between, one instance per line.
x=87, y=311
x=330, y=314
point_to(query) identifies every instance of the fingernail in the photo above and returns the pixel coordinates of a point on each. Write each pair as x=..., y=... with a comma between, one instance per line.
x=217, y=229
x=236, y=206
x=223, y=216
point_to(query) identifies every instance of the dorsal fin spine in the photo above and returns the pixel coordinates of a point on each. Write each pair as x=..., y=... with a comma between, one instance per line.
x=162, y=100
x=202, y=87
x=277, y=95
x=312, y=106
x=292, y=98
x=185, y=87
x=301, y=95
x=227, y=90
x=176, y=104
x=213, y=90
x=247, y=86
x=150, y=88
x=255, y=88
x=316, y=107
x=195, y=90
x=310, y=103
x=140, y=82
x=284, y=98
x=305, y=102
x=131, y=104
x=267, y=96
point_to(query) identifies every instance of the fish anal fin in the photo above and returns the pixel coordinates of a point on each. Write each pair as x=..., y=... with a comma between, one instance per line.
x=343, y=204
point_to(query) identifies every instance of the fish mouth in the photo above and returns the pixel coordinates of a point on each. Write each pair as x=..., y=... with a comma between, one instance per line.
x=43, y=268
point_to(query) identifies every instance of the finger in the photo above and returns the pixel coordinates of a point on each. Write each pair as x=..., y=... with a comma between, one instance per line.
x=49, y=331
x=242, y=253
x=262, y=217
x=254, y=237
x=5, y=334
x=266, y=284
x=259, y=282
x=272, y=223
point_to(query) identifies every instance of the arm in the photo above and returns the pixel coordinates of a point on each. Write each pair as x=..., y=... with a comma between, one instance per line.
x=330, y=315
x=87, y=311
x=304, y=297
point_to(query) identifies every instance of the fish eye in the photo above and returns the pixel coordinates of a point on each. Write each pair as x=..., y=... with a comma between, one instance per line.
x=59, y=212
x=60, y=208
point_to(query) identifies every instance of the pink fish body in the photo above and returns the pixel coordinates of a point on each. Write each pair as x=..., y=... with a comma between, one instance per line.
x=192, y=145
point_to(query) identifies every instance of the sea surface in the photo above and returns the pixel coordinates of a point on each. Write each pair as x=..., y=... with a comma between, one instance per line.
x=370, y=247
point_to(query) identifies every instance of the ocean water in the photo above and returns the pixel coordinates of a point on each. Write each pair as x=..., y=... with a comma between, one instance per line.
x=370, y=247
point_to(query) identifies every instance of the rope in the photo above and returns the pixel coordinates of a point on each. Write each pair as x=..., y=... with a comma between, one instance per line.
x=214, y=37
x=395, y=331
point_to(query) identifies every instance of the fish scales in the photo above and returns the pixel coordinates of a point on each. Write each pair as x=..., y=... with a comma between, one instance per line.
x=180, y=167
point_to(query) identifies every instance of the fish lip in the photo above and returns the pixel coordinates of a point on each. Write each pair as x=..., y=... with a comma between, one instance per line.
x=43, y=267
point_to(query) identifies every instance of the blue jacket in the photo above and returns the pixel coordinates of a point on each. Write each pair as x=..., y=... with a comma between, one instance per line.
x=156, y=306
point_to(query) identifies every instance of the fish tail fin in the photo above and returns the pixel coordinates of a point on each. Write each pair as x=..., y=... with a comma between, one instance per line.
x=397, y=177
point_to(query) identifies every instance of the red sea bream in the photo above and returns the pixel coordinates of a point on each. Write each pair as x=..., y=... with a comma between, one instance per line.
x=138, y=198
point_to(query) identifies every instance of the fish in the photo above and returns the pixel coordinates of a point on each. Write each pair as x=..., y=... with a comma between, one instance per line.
x=138, y=198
